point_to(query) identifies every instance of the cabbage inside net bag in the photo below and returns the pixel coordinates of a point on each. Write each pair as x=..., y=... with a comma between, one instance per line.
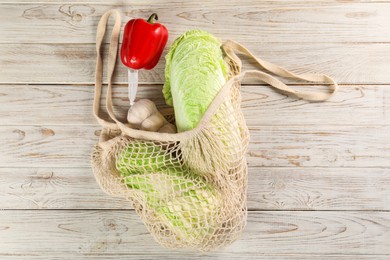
x=188, y=188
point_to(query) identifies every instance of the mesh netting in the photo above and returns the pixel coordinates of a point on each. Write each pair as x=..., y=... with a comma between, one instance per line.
x=190, y=190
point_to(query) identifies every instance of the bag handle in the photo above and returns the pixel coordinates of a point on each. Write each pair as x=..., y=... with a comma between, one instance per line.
x=112, y=55
x=230, y=46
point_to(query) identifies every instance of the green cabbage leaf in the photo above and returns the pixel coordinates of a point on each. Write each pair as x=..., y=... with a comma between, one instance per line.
x=195, y=72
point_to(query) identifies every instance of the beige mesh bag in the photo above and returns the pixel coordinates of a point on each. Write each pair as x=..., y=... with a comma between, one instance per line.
x=188, y=188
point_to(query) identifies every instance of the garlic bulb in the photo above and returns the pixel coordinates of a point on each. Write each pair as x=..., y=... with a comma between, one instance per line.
x=144, y=115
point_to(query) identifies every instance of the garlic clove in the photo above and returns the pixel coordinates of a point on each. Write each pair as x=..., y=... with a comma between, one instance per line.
x=141, y=110
x=153, y=123
x=168, y=128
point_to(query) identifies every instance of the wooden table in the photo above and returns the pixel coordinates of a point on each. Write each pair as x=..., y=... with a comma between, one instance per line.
x=319, y=173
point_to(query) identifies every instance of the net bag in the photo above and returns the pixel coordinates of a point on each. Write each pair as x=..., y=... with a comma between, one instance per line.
x=188, y=188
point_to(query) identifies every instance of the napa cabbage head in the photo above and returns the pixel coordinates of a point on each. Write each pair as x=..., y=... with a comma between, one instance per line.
x=180, y=198
x=195, y=72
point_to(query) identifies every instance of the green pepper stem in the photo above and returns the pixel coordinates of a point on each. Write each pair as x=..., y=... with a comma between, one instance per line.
x=152, y=17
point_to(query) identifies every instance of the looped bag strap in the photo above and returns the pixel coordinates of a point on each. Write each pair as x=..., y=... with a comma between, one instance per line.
x=231, y=46
x=112, y=55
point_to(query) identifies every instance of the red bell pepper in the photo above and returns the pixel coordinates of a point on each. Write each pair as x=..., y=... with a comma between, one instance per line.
x=143, y=43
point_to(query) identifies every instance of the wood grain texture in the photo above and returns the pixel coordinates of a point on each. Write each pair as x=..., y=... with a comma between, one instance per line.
x=72, y=104
x=319, y=173
x=121, y=232
x=118, y=2
x=180, y=256
x=269, y=189
x=349, y=63
x=286, y=146
x=322, y=146
x=318, y=188
x=286, y=21
x=54, y=188
x=65, y=104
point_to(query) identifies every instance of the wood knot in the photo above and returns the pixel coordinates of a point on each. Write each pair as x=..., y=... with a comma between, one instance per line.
x=21, y=133
x=77, y=17
x=98, y=132
x=76, y=14
x=43, y=174
x=4, y=227
x=360, y=15
x=111, y=225
x=39, y=12
x=47, y=132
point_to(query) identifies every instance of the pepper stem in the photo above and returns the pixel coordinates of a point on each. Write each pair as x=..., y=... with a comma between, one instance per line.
x=152, y=17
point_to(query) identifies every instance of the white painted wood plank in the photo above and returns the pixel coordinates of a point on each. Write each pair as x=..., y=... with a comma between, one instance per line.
x=59, y=146
x=352, y=105
x=118, y=2
x=285, y=146
x=285, y=21
x=269, y=189
x=54, y=188
x=341, y=146
x=68, y=104
x=121, y=232
x=75, y=63
x=64, y=104
x=204, y=256
x=303, y=188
